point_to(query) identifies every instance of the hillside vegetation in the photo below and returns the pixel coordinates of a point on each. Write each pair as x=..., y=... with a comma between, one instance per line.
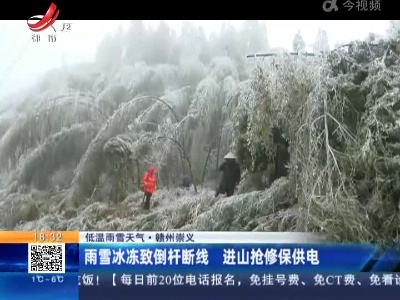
x=73, y=153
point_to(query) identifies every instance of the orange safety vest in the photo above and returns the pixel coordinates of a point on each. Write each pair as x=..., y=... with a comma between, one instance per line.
x=149, y=182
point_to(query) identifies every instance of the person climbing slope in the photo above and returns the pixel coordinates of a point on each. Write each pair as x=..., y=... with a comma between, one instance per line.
x=230, y=175
x=149, y=185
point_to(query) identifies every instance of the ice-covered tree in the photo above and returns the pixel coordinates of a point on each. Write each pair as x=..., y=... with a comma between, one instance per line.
x=110, y=51
x=136, y=42
x=160, y=45
x=298, y=44
x=321, y=43
x=394, y=29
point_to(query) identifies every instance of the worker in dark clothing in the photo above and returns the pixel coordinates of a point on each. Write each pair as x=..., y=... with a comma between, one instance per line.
x=230, y=175
x=281, y=153
x=186, y=182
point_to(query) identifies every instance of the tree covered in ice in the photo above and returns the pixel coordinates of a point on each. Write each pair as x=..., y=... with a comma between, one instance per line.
x=321, y=43
x=339, y=115
x=298, y=43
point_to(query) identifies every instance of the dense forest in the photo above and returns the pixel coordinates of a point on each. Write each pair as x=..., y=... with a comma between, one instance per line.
x=72, y=154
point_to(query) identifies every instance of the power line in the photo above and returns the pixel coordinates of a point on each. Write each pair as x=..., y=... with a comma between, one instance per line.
x=277, y=54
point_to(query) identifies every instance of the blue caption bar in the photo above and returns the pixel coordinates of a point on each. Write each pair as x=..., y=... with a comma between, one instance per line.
x=228, y=257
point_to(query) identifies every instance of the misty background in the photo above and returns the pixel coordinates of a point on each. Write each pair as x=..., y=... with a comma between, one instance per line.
x=22, y=61
x=314, y=126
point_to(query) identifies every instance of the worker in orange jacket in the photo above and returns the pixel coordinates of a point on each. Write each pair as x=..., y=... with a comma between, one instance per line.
x=149, y=185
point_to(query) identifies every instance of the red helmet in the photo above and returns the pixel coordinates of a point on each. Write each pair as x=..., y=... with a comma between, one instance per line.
x=151, y=169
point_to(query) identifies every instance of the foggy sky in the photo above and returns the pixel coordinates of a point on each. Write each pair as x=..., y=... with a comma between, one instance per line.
x=22, y=61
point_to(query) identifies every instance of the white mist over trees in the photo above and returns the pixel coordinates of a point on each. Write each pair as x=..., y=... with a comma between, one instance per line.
x=73, y=153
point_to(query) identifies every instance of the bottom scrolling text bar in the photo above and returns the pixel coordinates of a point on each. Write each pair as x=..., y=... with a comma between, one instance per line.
x=220, y=286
